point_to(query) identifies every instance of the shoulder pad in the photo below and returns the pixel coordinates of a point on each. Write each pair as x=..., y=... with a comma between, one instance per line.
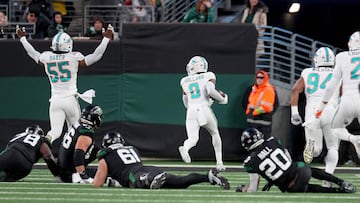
x=102, y=153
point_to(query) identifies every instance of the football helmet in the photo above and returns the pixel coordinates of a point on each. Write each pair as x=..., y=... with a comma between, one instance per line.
x=112, y=137
x=324, y=56
x=92, y=114
x=354, y=41
x=62, y=42
x=251, y=138
x=34, y=129
x=197, y=64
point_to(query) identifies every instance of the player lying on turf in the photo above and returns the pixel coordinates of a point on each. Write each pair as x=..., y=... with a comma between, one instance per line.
x=124, y=166
x=271, y=161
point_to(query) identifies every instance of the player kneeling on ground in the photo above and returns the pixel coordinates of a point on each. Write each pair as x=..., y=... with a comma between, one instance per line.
x=22, y=152
x=124, y=166
x=271, y=161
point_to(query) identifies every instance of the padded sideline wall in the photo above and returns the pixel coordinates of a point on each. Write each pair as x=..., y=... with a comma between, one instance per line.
x=137, y=85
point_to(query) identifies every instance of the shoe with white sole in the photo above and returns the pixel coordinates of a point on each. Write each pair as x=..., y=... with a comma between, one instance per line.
x=184, y=155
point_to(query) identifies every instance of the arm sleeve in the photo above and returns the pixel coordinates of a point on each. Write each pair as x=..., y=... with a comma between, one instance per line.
x=185, y=100
x=336, y=77
x=50, y=162
x=98, y=53
x=254, y=182
x=268, y=100
x=35, y=55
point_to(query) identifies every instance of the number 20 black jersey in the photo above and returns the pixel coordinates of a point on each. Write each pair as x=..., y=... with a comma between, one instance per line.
x=270, y=161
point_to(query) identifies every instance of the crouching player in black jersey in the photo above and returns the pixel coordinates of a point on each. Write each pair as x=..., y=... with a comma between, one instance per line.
x=78, y=149
x=22, y=152
x=123, y=165
x=272, y=161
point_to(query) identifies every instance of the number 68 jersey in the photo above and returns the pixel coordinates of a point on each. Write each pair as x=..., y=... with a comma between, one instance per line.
x=270, y=161
x=61, y=70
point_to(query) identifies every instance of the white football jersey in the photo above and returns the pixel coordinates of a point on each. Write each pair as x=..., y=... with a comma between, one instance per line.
x=62, y=72
x=316, y=80
x=347, y=68
x=194, y=87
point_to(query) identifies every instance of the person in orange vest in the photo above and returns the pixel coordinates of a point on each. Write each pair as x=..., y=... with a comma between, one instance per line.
x=261, y=102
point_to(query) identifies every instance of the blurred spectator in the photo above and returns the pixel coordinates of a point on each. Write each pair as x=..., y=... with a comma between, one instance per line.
x=157, y=4
x=3, y=19
x=202, y=12
x=138, y=11
x=67, y=10
x=261, y=103
x=95, y=31
x=3, y=22
x=56, y=25
x=256, y=13
x=43, y=7
x=41, y=25
x=107, y=9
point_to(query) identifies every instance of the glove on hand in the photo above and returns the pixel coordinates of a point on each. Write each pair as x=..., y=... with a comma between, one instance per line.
x=296, y=119
x=85, y=178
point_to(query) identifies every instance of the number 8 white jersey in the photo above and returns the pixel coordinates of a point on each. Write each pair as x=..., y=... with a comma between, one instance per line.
x=62, y=72
x=194, y=86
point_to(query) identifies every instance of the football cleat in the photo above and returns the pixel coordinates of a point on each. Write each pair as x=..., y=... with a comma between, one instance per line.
x=184, y=155
x=347, y=187
x=158, y=181
x=309, y=151
x=216, y=178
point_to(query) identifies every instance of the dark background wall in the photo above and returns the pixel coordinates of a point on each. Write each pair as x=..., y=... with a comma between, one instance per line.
x=137, y=85
x=330, y=21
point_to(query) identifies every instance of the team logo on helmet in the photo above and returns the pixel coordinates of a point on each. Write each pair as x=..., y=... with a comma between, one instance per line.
x=251, y=138
x=112, y=138
x=62, y=42
x=197, y=64
x=324, y=56
x=92, y=115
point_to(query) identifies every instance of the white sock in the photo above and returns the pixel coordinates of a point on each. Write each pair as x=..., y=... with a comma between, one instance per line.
x=331, y=160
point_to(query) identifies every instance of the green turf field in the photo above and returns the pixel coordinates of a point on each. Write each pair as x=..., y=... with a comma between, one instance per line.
x=40, y=186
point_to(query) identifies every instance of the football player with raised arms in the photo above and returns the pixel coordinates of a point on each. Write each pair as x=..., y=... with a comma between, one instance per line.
x=198, y=95
x=61, y=66
x=270, y=160
x=121, y=165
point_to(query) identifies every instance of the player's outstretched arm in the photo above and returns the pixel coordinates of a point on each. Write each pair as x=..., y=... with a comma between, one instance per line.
x=21, y=33
x=99, y=51
x=49, y=159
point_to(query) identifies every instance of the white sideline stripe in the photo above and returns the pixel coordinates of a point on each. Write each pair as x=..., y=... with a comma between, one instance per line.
x=165, y=193
x=156, y=194
x=170, y=165
x=240, y=166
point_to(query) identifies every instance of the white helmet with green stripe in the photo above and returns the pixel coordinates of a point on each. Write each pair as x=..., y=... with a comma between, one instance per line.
x=197, y=64
x=62, y=42
x=324, y=56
